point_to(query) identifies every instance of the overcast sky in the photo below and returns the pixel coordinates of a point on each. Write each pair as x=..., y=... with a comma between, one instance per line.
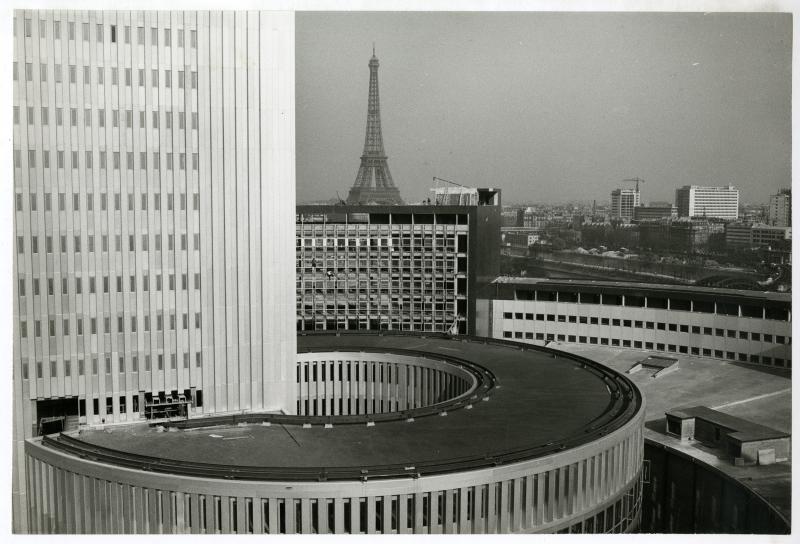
x=548, y=106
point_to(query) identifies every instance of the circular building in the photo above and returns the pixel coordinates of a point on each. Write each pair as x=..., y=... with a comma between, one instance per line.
x=393, y=434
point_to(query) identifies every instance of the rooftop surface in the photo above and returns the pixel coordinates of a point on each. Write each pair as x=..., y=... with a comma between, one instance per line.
x=762, y=396
x=651, y=287
x=542, y=402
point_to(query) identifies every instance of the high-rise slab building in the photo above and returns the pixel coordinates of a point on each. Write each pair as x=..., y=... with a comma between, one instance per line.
x=153, y=172
x=374, y=183
x=779, y=212
x=623, y=202
x=707, y=202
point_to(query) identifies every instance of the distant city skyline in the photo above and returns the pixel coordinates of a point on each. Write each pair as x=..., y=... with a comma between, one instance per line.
x=549, y=107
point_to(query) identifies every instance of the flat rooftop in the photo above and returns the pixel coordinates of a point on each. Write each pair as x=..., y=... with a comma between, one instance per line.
x=645, y=287
x=544, y=401
x=762, y=396
x=740, y=428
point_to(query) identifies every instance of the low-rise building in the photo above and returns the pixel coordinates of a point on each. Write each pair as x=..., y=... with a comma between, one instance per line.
x=645, y=213
x=748, y=235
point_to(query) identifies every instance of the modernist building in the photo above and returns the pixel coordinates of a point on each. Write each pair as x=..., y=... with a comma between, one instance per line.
x=749, y=235
x=568, y=457
x=153, y=299
x=409, y=268
x=646, y=213
x=707, y=202
x=745, y=326
x=154, y=189
x=623, y=203
x=779, y=211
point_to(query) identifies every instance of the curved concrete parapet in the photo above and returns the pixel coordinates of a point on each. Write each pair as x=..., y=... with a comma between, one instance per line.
x=556, y=447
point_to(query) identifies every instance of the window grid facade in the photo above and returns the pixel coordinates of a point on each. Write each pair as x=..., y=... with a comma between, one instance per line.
x=86, y=139
x=392, y=275
x=757, y=332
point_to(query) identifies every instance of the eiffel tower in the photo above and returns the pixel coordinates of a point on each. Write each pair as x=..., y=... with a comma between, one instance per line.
x=374, y=183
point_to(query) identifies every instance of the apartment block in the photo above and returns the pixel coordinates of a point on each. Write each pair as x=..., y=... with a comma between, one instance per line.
x=779, y=211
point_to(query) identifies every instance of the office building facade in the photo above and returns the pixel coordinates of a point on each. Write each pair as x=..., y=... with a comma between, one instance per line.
x=406, y=268
x=707, y=202
x=750, y=235
x=623, y=203
x=154, y=189
x=744, y=326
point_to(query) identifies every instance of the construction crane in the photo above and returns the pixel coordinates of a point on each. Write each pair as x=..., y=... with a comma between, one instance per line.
x=637, y=179
x=435, y=179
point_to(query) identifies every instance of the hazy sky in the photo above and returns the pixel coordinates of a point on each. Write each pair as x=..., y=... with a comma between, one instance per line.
x=548, y=106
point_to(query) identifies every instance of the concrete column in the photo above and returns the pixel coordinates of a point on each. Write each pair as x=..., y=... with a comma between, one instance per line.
x=355, y=515
x=258, y=516
x=505, y=512
x=477, y=515
x=540, y=505
x=529, y=506
x=463, y=514
x=449, y=498
x=305, y=516
x=402, y=514
x=371, y=515
x=517, y=513
x=272, y=512
x=551, y=493
x=152, y=512
x=387, y=514
x=33, y=494
x=433, y=518
x=180, y=516
x=581, y=489
x=194, y=512
x=322, y=515
x=225, y=524
x=115, y=525
x=101, y=499
x=338, y=516
x=419, y=528
x=139, y=525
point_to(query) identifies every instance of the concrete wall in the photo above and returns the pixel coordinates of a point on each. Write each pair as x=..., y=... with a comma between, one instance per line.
x=591, y=488
x=684, y=495
x=344, y=383
x=666, y=330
